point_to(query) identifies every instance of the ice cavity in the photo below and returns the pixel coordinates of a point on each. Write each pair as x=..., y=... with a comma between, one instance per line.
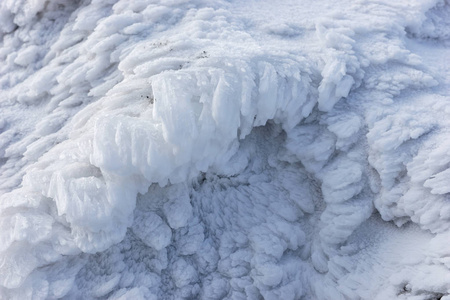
x=163, y=129
x=166, y=166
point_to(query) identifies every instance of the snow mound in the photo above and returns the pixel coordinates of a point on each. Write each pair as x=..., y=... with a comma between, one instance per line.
x=192, y=149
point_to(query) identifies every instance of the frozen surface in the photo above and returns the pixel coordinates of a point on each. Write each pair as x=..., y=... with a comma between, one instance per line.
x=224, y=149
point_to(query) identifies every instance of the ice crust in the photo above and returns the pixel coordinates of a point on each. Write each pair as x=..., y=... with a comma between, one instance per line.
x=224, y=149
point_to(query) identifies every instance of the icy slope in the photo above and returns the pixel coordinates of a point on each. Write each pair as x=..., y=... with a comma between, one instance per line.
x=224, y=149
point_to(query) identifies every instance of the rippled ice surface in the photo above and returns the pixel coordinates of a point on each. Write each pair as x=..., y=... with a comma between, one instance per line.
x=224, y=149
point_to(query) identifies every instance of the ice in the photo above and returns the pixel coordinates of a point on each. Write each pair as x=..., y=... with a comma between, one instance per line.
x=152, y=230
x=27, y=56
x=134, y=293
x=178, y=210
x=342, y=69
x=224, y=150
x=340, y=181
x=438, y=183
x=106, y=288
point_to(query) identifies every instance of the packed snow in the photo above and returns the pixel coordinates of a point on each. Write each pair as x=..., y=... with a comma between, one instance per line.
x=225, y=149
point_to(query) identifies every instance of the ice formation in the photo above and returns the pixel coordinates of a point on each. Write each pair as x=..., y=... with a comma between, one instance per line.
x=224, y=149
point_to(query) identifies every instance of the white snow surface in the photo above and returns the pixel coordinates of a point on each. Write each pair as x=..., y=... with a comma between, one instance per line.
x=225, y=149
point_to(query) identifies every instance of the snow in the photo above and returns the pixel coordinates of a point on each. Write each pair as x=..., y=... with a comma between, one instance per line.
x=224, y=149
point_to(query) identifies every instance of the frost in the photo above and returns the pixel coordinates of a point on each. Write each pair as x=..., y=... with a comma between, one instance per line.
x=224, y=150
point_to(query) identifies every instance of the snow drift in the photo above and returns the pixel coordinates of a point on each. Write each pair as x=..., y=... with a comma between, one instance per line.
x=224, y=150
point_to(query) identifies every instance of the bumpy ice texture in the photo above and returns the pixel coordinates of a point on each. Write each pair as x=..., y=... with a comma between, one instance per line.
x=224, y=149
